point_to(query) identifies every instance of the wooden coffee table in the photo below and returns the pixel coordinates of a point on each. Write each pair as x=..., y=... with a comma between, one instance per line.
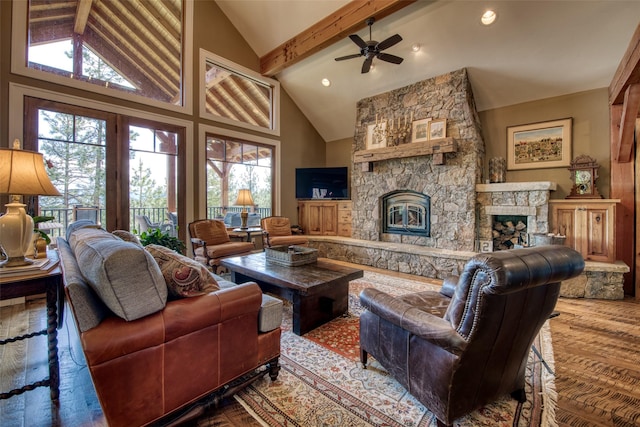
x=319, y=292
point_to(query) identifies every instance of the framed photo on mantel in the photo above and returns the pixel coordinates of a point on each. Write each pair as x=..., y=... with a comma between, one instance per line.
x=539, y=145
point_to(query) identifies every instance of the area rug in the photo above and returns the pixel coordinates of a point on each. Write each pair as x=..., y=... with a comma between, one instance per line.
x=322, y=382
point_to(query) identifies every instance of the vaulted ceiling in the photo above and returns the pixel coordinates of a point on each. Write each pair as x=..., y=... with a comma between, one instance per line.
x=535, y=49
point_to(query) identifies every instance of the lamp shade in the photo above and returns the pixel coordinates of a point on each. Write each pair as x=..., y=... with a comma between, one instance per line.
x=22, y=172
x=244, y=198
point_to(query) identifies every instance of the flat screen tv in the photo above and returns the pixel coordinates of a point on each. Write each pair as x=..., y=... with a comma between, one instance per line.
x=322, y=183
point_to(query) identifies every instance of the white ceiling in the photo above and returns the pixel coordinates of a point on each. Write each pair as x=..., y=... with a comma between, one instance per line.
x=534, y=50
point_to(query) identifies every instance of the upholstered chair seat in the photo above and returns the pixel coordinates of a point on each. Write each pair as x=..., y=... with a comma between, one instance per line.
x=277, y=232
x=211, y=243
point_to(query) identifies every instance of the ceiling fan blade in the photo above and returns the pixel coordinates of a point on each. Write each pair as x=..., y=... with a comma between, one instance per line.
x=389, y=58
x=358, y=40
x=385, y=44
x=342, y=58
x=367, y=64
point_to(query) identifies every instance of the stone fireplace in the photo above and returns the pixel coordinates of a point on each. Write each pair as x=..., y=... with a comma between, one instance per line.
x=450, y=184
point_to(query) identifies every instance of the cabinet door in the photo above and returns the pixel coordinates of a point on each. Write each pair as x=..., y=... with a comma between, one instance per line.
x=599, y=242
x=314, y=219
x=329, y=219
x=565, y=224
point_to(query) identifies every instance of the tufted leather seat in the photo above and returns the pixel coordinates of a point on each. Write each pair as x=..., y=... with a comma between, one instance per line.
x=467, y=345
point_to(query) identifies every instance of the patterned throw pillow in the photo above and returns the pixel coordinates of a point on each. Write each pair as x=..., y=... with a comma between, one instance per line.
x=185, y=277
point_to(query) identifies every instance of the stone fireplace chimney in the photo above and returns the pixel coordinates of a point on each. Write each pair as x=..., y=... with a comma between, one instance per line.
x=451, y=186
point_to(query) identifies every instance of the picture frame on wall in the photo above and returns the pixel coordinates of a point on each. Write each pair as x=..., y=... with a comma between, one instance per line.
x=437, y=129
x=420, y=130
x=540, y=145
x=376, y=136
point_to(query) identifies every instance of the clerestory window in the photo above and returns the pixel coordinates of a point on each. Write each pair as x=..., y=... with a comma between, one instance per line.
x=125, y=48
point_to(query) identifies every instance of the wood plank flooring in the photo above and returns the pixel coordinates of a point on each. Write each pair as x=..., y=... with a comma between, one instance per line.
x=596, y=348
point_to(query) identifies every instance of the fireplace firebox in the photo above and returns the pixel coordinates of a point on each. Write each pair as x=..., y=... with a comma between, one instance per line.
x=406, y=212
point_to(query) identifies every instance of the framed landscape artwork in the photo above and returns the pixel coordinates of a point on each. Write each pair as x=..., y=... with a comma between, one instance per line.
x=376, y=136
x=438, y=129
x=539, y=145
x=420, y=130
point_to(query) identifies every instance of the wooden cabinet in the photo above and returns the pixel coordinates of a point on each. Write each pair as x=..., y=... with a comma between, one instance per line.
x=588, y=224
x=325, y=217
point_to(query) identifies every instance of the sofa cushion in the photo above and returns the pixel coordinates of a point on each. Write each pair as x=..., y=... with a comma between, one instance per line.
x=124, y=275
x=127, y=236
x=184, y=276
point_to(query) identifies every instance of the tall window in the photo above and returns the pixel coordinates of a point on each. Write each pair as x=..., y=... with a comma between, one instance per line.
x=153, y=163
x=74, y=147
x=122, y=172
x=232, y=165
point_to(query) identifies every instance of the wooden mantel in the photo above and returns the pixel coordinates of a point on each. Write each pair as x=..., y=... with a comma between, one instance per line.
x=435, y=147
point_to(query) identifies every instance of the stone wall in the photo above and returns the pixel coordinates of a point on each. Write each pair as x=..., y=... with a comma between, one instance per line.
x=451, y=186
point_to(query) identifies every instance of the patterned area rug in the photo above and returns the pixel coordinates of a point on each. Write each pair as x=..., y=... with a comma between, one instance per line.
x=322, y=382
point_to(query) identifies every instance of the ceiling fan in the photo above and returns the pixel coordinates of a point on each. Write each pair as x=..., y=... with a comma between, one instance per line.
x=372, y=49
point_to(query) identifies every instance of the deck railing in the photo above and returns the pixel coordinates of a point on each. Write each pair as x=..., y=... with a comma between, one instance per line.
x=64, y=217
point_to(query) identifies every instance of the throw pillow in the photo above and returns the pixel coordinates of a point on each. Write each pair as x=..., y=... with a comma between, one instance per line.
x=185, y=277
x=125, y=276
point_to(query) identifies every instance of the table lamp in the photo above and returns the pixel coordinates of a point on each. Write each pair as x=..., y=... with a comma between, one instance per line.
x=244, y=199
x=21, y=173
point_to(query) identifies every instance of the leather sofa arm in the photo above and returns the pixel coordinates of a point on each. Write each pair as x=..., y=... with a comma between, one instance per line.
x=420, y=323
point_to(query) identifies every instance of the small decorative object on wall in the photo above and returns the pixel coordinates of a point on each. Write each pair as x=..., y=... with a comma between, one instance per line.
x=437, y=129
x=539, y=145
x=420, y=130
x=377, y=135
x=584, y=172
x=497, y=170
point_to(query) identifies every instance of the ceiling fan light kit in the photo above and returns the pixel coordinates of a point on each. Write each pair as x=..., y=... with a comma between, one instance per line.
x=372, y=49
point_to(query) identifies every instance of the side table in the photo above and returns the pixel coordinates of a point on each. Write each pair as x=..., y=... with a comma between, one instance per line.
x=34, y=283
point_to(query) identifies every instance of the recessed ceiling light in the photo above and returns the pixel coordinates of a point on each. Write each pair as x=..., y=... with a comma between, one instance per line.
x=415, y=47
x=488, y=17
x=326, y=82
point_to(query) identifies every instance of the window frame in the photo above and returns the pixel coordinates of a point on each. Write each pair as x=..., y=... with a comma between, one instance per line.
x=203, y=130
x=19, y=34
x=206, y=56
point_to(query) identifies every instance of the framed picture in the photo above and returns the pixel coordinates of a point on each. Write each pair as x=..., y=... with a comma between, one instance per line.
x=437, y=129
x=377, y=135
x=420, y=130
x=539, y=145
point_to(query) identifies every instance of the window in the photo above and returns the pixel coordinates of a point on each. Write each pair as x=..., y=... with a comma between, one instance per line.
x=92, y=169
x=231, y=165
x=132, y=49
x=236, y=95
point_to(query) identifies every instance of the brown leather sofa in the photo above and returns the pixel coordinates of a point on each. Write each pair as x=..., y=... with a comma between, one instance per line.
x=467, y=345
x=162, y=366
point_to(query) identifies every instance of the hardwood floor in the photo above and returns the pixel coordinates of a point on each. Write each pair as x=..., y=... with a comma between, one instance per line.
x=596, y=348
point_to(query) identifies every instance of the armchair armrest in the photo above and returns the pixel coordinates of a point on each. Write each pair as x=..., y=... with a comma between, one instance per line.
x=449, y=286
x=420, y=323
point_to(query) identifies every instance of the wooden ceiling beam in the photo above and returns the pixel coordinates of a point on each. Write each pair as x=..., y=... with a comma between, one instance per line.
x=630, y=108
x=346, y=20
x=628, y=71
x=82, y=16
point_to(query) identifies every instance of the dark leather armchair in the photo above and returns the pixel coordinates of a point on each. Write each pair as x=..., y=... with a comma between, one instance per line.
x=467, y=345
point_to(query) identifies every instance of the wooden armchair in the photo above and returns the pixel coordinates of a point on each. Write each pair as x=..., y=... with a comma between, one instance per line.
x=277, y=232
x=211, y=243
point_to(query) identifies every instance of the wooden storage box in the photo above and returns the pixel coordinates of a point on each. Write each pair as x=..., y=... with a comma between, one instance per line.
x=292, y=255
